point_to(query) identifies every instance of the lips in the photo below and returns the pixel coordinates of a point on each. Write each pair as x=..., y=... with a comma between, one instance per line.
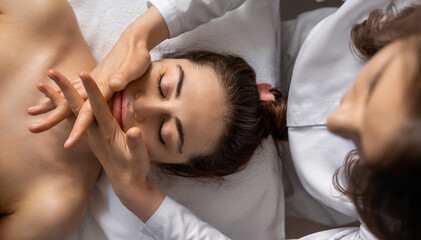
x=120, y=108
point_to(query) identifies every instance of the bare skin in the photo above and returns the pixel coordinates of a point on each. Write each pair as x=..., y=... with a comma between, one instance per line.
x=43, y=187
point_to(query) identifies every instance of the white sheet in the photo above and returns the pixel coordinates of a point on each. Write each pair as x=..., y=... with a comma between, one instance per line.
x=248, y=205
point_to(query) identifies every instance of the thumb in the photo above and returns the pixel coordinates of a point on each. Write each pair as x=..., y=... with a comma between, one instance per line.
x=118, y=82
x=135, y=143
x=131, y=69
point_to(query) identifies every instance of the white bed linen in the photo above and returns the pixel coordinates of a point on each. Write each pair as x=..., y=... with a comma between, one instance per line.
x=249, y=204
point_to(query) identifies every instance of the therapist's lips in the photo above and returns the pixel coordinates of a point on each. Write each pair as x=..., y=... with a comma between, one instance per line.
x=120, y=108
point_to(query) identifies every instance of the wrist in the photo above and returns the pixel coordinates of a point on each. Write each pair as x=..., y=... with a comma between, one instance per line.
x=142, y=198
x=148, y=30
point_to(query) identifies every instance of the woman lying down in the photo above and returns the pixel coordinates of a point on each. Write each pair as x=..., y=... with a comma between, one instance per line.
x=195, y=114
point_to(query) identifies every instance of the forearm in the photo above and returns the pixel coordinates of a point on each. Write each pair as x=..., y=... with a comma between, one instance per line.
x=148, y=30
x=141, y=198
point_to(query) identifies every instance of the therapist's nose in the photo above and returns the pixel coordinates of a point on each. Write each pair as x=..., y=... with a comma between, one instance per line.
x=155, y=109
x=345, y=122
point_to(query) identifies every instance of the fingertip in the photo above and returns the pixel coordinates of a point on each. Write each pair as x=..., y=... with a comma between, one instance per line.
x=32, y=110
x=116, y=84
x=38, y=127
x=52, y=73
x=42, y=89
x=133, y=133
x=33, y=128
x=86, y=79
x=84, y=75
x=41, y=85
x=70, y=142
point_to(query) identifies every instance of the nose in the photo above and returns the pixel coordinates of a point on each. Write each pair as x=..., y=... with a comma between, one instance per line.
x=345, y=122
x=146, y=109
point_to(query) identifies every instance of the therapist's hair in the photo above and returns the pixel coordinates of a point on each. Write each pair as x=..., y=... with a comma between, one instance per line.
x=387, y=194
x=247, y=120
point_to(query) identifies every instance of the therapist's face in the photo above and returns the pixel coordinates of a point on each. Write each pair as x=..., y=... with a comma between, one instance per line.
x=179, y=108
x=372, y=111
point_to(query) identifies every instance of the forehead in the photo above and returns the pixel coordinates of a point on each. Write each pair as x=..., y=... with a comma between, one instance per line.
x=203, y=108
x=386, y=111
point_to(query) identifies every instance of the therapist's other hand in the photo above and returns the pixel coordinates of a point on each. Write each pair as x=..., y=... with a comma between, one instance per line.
x=126, y=62
x=122, y=155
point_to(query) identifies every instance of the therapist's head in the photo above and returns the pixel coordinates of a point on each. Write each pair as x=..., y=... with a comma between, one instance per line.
x=381, y=113
x=200, y=113
x=384, y=100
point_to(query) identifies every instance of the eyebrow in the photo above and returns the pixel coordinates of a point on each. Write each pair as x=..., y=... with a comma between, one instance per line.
x=180, y=134
x=180, y=81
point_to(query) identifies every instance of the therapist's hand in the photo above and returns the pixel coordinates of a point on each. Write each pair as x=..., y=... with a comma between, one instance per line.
x=128, y=60
x=122, y=155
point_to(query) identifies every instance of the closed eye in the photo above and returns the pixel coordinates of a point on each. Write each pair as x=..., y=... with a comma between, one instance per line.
x=158, y=83
x=161, y=140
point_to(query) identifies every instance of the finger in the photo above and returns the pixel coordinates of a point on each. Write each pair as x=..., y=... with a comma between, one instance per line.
x=77, y=84
x=57, y=89
x=54, y=118
x=74, y=100
x=42, y=108
x=98, y=104
x=49, y=92
x=61, y=112
x=83, y=121
x=128, y=72
x=134, y=142
x=138, y=154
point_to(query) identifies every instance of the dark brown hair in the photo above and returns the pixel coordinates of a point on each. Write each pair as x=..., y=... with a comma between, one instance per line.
x=247, y=119
x=387, y=196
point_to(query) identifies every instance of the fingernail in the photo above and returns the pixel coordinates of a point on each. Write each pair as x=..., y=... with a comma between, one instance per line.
x=68, y=141
x=32, y=108
x=34, y=125
x=116, y=81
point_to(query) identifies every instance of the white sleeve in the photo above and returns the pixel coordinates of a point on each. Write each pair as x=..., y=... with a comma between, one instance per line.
x=174, y=222
x=186, y=15
x=347, y=233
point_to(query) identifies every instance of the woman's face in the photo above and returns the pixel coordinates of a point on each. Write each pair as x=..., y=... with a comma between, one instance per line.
x=179, y=108
x=372, y=111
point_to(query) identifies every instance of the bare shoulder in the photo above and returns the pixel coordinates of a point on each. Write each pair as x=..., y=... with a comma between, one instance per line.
x=37, y=16
x=36, y=29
